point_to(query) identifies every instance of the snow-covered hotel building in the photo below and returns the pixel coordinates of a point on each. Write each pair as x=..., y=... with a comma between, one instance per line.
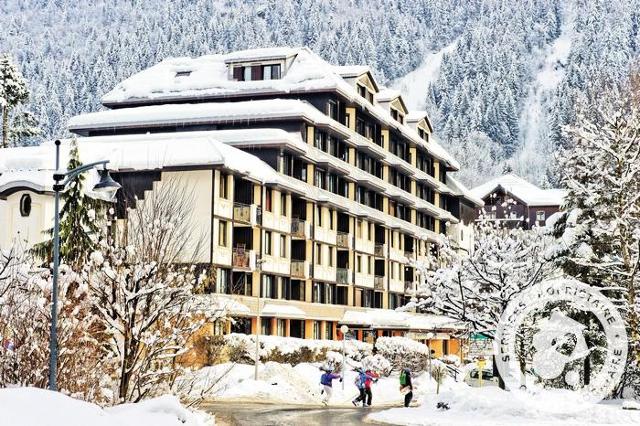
x=313, y=186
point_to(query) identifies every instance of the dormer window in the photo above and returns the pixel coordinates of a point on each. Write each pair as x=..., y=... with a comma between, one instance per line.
x=183, y=73
x=397, y=116
x=257, y=72
x=362, y=91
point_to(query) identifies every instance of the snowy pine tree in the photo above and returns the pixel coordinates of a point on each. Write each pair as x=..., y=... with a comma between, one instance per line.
x=13, y=92
x=600, y=234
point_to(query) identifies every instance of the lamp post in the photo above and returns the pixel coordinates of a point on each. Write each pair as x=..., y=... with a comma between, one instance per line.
x=106, y=185
x=259, y=263
x=344, y=330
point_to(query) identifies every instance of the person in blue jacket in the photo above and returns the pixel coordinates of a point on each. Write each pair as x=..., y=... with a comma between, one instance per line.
x=361, y=383
x=326, y=380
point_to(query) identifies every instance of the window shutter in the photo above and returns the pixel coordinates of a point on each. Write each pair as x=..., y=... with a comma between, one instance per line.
x=256, y=73
x=237, y=73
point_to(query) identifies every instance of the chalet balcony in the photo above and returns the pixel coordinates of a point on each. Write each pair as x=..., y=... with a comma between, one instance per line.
x=299, y=269
x=249, y=214
x=343, y=276
x=379, y=250
x=343, y=240
x=378, y=283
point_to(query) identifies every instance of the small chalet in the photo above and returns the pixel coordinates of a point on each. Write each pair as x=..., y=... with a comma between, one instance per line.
x=516, y=202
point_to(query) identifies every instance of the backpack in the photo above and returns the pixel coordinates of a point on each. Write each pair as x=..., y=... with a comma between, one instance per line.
x=403, y=378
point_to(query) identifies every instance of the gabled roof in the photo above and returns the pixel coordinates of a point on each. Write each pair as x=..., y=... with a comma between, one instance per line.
x=414, y=117
x=519, y=188
x=348, y=71
x=461, y=190
x=387, y=95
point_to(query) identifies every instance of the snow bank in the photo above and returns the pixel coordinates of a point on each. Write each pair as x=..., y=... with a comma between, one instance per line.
x=493, y=406
x=282, y=383
x=39, y=407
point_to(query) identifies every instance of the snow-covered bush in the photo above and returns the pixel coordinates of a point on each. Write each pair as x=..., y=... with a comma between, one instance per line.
x=292, y=350
x=377, y=363
x=402, y=352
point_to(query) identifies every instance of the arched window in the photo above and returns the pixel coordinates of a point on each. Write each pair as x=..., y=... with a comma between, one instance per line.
x=25, y=205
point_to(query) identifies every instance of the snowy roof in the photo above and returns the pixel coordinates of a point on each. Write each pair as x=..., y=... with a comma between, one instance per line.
x=197, y=113
x=461, y=190
x=285, y=311
x=390, y=319
x=351, y=70
x=262, y=54
x=387, y=94
x=208, y=77
x=521, y=189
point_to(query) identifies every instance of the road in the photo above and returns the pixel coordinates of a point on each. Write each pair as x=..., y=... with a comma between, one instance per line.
x=239, y=414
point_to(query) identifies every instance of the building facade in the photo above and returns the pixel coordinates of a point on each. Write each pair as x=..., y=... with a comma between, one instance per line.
x=316, y=191
x=514, y=202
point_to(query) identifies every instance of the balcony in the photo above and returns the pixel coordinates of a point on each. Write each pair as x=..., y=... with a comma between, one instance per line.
x=379, y=250
x=299, y=269
x=299, y=229
x=343, y=240
x=247, y=213
x=343, y=276
x=243, y=259
x=378, y=283
x=409, y=254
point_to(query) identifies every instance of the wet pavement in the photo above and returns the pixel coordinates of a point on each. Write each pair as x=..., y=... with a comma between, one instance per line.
x=239, y=414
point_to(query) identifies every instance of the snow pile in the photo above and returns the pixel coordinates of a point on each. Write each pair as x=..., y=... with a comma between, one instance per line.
x=300, y=385
x=493, y=406
x=38, y=407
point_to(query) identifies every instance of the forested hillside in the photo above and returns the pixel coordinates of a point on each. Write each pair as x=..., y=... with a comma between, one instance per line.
x=510, y=78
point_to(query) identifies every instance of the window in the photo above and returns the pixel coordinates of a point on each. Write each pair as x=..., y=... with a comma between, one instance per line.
x=246, y=74
x=268, y=200
x=269, y=286
x=222, y=281
x=222, y=233
x=267, y=242
x=283, y=204
x=362, y=91
x=318, y=254
x=183, y=73
x=331, y=221
x=25, y=205
x=358, y=263
x=283, y=246
x=540, y=216
x=271, y=72
x=265, y=326
x=317, y=294
x=330, y=256
x=328, y=330
x=223, y=186
x=316, y=330
x=282, y=327
x=332, y=110
x=319, y=216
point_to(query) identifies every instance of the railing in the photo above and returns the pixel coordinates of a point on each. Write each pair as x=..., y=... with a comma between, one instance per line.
x=241, y=258
x=343, y=240
x=378, y=282
x=408, y=286
x=242, y=212
x=298, y=228
x=298, y=269
x=379, y=250
x=410, y=254
x=343, y=276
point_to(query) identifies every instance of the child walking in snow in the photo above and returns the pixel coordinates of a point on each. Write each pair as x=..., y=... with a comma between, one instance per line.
x=326, y=380
x=406, y=387
x=361, y=383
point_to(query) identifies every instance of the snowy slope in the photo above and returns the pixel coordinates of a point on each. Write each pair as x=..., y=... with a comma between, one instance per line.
x=414, y=85
x=39, y=407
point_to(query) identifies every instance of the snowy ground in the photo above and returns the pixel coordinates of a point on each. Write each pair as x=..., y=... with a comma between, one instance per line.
x=282, y=383
x=491, y=406
x=39, y=407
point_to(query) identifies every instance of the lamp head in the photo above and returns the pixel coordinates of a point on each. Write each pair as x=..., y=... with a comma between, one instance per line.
x=106, y=185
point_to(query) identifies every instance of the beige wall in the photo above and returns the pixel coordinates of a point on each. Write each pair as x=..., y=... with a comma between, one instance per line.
x=25, y=231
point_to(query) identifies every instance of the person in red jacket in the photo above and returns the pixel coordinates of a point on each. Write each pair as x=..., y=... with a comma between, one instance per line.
x=371, y=377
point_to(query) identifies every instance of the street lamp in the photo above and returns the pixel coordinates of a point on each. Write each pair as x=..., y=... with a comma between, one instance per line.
x=259, y=263
x=344, y=330
x=106, y=186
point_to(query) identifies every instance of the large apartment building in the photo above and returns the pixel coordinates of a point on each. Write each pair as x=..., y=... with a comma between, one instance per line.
x=314, y=187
